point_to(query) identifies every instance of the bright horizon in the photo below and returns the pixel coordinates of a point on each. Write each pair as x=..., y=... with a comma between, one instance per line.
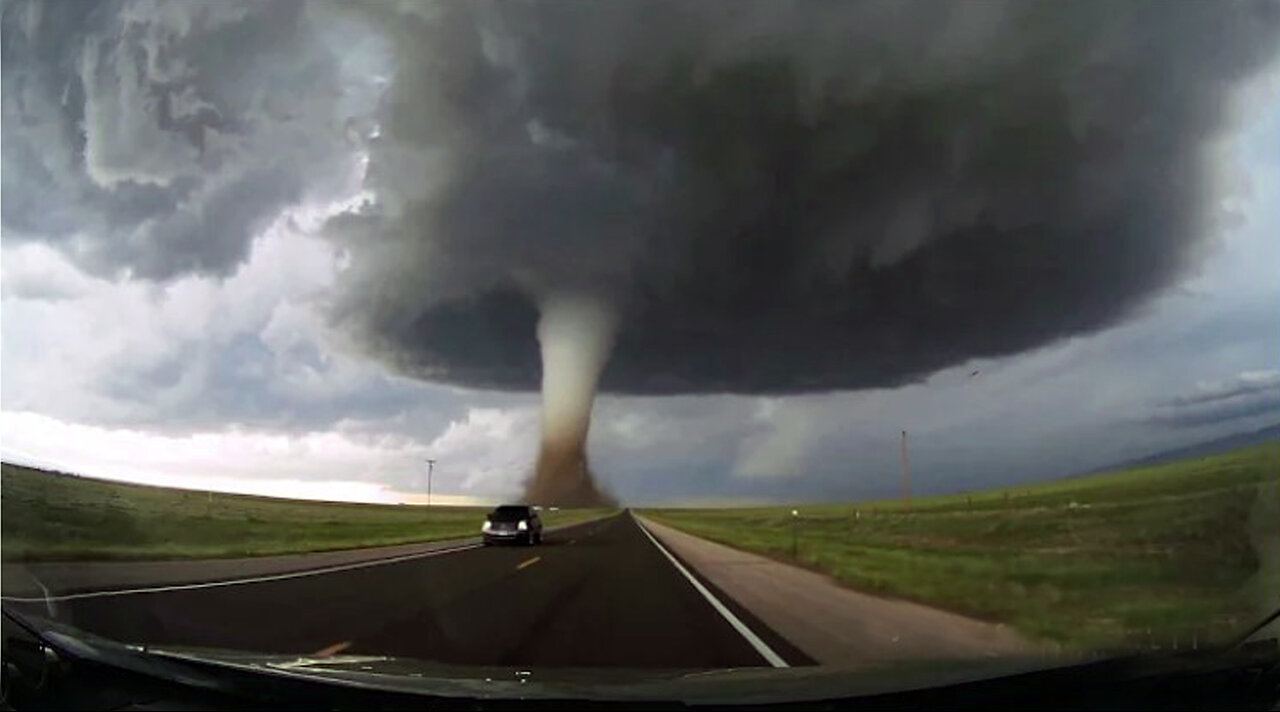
x=333, y=491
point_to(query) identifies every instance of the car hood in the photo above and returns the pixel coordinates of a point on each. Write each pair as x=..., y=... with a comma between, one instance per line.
x=719, y=686
x=209, y=668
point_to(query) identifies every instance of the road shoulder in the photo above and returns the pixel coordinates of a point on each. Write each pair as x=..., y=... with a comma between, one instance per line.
x=835, y=625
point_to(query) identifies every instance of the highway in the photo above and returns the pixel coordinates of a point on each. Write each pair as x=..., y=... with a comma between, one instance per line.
x=599, y=594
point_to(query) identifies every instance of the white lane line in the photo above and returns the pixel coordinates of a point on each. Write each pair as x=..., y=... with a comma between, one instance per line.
x=761, y=647
x=530, y=562
x=332, y=650
x=237, y=582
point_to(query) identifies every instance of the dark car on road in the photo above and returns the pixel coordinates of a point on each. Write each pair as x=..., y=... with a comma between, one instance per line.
x=517, y=523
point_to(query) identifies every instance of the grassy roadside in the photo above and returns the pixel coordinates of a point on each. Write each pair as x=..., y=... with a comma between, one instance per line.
x=47, y=516
x=1178, y=553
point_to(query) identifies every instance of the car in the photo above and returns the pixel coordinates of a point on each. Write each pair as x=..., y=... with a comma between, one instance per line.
x=513, y=523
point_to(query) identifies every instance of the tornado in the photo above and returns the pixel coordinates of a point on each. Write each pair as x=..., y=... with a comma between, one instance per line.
x=651, y=198
x=575, y=335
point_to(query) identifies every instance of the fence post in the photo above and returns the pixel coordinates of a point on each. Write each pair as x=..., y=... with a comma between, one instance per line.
x=795, y=516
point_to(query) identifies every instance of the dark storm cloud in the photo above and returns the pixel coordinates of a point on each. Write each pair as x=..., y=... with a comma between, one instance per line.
x=772, y=196
x=157, y=140
x=785, y=197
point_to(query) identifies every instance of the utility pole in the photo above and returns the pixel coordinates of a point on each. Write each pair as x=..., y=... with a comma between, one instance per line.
x=431, y=466
x=906, y=473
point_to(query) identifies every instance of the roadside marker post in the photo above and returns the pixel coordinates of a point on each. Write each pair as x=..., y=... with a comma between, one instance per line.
x=795, y=518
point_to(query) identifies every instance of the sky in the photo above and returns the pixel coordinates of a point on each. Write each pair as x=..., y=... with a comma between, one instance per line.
x=214, y=274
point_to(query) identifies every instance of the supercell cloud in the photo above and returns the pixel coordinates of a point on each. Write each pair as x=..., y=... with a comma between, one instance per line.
x=784, y=198
x=732, y=196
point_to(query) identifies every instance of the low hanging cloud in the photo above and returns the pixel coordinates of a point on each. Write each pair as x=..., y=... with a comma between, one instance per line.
x=1249, y=394
x=1245, y=384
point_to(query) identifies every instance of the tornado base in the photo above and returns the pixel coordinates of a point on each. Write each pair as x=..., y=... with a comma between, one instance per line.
x=563, y=479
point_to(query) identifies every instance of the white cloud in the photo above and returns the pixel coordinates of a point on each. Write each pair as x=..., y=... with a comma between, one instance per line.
x=490, y=450
x=781, y=451
x=133, y=454
x=318, y=465
x=38, y=272
x=251, y=348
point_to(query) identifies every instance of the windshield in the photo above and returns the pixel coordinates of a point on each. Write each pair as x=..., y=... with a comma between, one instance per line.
x=510, y=514
x=646, y=337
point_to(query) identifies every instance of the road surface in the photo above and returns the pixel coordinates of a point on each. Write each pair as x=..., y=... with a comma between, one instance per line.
x=599, y=594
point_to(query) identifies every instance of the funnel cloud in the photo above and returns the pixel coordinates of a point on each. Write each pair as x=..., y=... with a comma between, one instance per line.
x=575, y=335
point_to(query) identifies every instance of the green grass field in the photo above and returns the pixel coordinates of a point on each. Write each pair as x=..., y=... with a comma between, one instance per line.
x=46, y=516
x=1179, y=553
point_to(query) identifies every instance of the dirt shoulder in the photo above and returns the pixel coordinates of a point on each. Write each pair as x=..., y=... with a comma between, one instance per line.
x=833, y=624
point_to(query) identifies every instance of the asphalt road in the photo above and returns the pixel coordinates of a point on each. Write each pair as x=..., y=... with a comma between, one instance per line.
x=600, y=594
